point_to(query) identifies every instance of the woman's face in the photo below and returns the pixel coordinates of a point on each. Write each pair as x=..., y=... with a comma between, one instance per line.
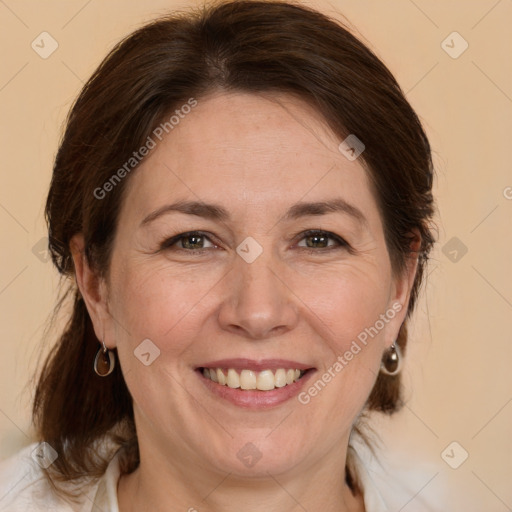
x=250, y=290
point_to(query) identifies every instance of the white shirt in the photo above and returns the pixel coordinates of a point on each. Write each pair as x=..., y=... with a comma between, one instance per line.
x=24, y=487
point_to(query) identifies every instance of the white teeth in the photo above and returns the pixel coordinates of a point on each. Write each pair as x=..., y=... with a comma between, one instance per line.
x=265, y=380
x=280, y=378
x=221, y=378
x=233, y=380
x=247, y=379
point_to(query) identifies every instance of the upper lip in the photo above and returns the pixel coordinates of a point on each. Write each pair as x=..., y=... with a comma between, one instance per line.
x=255, y=365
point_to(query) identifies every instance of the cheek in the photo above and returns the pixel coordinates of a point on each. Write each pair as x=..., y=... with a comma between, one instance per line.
x=348, y=309
x=152, y=301
x=347, y=301
x=157, y=302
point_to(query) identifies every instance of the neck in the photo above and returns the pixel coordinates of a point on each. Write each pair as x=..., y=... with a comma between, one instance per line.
x=159, y=486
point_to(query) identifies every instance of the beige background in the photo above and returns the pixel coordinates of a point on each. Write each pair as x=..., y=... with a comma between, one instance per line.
x=458, y=367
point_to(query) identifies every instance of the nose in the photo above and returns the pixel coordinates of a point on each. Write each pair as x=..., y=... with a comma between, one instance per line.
x=260, y=303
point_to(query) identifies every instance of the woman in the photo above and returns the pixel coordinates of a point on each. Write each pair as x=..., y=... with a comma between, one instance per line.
x=241, y=201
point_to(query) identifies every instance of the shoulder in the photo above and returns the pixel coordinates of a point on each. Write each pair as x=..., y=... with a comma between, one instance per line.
x=24, y=485
x=393, y=482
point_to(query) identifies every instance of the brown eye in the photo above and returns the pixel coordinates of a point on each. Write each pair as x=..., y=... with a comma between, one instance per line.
x=191, y=241
x=321, y=240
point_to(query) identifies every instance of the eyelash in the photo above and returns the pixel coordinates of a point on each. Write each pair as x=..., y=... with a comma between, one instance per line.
x=341, y=243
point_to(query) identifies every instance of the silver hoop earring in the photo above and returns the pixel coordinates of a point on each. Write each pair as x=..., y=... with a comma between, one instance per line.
x=104, y=362
x=391, y=363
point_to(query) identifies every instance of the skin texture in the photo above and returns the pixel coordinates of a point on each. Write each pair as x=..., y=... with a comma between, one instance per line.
x=256, y=156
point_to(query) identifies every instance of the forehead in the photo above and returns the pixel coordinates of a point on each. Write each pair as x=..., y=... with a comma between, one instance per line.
x=249, y=151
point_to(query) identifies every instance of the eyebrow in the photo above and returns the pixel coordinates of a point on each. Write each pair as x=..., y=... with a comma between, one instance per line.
x=298, y=210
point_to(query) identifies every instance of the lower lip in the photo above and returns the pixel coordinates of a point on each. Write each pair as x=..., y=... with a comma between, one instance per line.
x=254, y=399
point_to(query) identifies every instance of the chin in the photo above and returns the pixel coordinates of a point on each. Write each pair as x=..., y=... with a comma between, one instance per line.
x=259, y=454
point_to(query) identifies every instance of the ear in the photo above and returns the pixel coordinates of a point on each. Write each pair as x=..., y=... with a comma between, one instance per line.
x=402, y=286
x=94, y=292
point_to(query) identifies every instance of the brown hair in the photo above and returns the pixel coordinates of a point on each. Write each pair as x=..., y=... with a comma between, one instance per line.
x=249, y=46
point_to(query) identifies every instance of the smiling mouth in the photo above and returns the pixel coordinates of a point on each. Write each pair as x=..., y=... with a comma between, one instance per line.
x=265, y=380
